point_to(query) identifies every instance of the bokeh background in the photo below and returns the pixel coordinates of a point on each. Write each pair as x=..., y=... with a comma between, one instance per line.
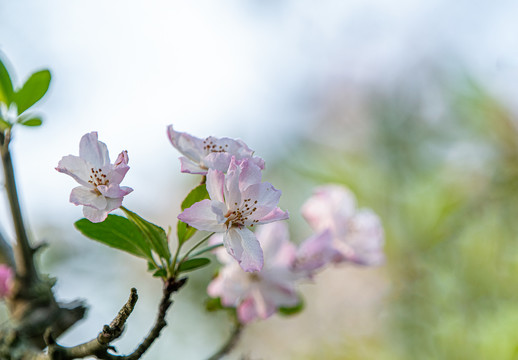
x=410, y=104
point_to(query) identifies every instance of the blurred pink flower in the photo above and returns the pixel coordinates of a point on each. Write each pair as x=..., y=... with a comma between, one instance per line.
x=237, y=199
x=315, y=253
x=100, y=191
x=6, y=280
x=211, y=153
x=357, y=234
x=260, y=294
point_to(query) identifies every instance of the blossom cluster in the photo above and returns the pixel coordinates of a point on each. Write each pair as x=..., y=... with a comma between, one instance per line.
x=261, y=265
x=272, y=264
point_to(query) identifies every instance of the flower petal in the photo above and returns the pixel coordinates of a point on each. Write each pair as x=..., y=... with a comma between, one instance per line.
x=365, y=238
x=328, y=206
x=93, y=151
x=113, y=203
x=94, y=215
x=215, y=185
x=266, y=195
x=76, y=167
x=188, y=145
x=84, y=196
x=246, y=311
x=217, y=161
x=315, y=252
x=274, y=215
x=189, y=167
x=231, y=190
x=250, y=174
x=275, y=241
x=201, y=217
x=245, y=248
x=114, y=190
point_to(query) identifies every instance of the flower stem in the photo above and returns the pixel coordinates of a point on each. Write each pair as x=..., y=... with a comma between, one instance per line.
x=231, y=342
x=208, y=248
x=194, y=247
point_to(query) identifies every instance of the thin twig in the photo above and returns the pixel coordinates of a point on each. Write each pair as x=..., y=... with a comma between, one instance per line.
x=6, y=252
x=25, y=268
x=99, y=346
x=194, y=247
x=170, y=286
x=231, y=342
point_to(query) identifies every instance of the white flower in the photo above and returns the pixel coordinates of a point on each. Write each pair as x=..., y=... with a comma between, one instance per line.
x=210, y=153
x=238, y=199
x=100, y=191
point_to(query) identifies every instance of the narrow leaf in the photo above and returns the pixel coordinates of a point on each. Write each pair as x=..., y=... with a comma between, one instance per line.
x=4, y=124
x=32, y=91
x=292, y=310
x=199, y=193
x=193, y=264
x=155, y=235
x=160, y=273
x=32, y=121
x=184, y=232
x=117, y=232
x=213, y=304
x=6, y=86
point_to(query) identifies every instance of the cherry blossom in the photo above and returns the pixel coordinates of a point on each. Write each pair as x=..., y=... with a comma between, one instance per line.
x=209, y=153
x=6, y=280
x=260, y=294
x=357, y=234
x=314, y=253
x=100, y=191
x=238, y=200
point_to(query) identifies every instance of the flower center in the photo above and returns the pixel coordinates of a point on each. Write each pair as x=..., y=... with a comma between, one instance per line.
x=243, y=212
x=97, y=178
x=210, y=147
x=254, y=277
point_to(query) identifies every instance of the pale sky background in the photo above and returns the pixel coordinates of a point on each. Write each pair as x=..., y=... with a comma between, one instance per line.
x=248, y=69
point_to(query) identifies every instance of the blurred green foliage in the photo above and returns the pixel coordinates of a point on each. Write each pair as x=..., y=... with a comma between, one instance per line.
x=445, y=183
x=15, y=101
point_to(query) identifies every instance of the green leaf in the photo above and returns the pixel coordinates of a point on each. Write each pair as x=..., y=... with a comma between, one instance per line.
x=184, y=231
x=6, y=86
x=292, y=310
x=160, y=273
x=213, y=304
x=30, y=121
x=4, y=124
x=32, y=91
x=117, y=232
x=155, y=235
x=193, y=264
x=199, y=193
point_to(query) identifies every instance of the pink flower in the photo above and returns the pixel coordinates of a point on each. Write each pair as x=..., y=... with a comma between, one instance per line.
x=6, y=280
x=237, y=199
x=260, y=294
x=357, y=234
x=100, y=191
x=315, y=253
x=211, y=153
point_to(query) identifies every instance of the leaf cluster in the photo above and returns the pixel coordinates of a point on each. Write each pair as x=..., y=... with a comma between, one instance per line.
x=140, y=237
x=18, y=100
